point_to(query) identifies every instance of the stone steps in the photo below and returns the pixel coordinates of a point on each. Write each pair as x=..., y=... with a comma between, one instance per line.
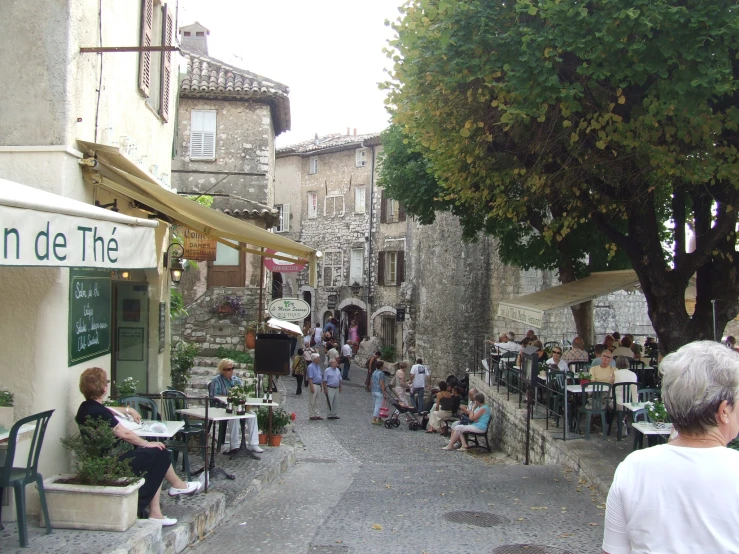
x=205, y=369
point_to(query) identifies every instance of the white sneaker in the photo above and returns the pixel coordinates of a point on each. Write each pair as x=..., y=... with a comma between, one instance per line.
x=165, y=521
x=192, y=487
x=255, y=448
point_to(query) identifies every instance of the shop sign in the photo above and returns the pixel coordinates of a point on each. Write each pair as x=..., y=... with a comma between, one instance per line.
x=289, y=309
x=89, y=314
x=198, y=247
x=331, y=301
x=527, y=316
x=282, y=266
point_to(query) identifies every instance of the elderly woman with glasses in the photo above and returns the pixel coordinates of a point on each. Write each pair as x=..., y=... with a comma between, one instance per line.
x=220, y=386
x=681, y=497
x=557, y=361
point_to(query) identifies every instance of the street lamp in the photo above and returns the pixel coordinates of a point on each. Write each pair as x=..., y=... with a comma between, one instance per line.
x=177, y=265
x=356, y=288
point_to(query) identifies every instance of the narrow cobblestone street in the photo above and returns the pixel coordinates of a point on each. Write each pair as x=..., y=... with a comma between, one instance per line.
x=359, y=488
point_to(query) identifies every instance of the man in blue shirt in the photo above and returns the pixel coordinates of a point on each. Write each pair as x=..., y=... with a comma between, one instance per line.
x=315, y=386
x=332, y=388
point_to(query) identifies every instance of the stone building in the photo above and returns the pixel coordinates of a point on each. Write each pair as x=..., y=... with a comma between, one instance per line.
x=227, y=121
x=324, y=191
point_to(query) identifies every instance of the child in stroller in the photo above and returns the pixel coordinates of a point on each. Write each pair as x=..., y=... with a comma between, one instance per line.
x=412, y=417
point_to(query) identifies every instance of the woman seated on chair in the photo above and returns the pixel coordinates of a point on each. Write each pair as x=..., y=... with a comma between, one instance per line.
x=442, y=408
x=149, y=459
x=219, y=386
x=479, y=418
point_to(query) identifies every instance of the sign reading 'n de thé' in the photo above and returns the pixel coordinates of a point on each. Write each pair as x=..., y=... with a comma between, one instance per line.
x=39, y=238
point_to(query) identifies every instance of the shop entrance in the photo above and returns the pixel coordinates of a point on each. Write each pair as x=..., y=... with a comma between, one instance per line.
x=130, y=333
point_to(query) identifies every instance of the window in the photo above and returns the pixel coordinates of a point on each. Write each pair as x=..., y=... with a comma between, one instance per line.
x=361, y=157
x=356, y=266
x=390, y=210
x=387, y=330
x=284, y=224
x=332, y=268
x=155, y=68
x=225, y=255
x=333, y=205
x=312, y=205
x=391, y=268
x=203, y=135
x=360, y=196
x=313, y=169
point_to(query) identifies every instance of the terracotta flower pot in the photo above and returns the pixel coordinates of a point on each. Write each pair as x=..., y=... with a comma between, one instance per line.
x=251, y=339
x=275, y=440
x=584, y=382
x=262, y=438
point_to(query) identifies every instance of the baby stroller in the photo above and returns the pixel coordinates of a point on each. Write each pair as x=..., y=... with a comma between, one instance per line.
x=409, y=413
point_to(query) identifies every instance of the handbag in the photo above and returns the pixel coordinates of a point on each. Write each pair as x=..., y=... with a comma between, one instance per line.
x=384, y=412
x=465, y=420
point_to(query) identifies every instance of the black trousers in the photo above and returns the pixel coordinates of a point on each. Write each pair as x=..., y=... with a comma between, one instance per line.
x=299, y=379
x=151, y=464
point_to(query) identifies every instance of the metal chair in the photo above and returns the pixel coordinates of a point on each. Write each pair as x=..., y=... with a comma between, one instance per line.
x=576, y=367
x=144, y=406
x=623, y=392
x=510, y=373
x=173, y=400
x=646, y=395
x=551, y=344
x=19, y=477
x=597, y=394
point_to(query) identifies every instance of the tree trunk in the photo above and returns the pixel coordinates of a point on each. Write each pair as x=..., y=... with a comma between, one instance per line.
x=584, y=321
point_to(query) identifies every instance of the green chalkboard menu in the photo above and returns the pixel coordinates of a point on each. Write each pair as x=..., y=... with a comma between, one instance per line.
x=89, y=314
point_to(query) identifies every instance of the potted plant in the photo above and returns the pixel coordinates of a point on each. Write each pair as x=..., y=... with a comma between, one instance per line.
x=280, y=420
x=251, y=334
x=6, y=408
x=657, y=413
x=263, y=424
x=230, y=305
x=584, y=377
x=102, y=494
x=182, y=360
x=127, y=387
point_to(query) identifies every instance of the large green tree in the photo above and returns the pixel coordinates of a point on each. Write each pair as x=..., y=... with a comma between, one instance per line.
x=407, y=176
x=612, y=113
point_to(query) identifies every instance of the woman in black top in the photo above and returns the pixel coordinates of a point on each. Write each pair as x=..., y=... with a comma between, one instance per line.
x=149, y=459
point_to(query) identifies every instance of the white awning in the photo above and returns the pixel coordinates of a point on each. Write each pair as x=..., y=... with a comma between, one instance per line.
x=529, y=309
x=38, y=228
x=286, y=326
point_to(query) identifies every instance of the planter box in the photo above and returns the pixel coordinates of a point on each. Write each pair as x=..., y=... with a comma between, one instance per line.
x=89, y=507
x=6, y=417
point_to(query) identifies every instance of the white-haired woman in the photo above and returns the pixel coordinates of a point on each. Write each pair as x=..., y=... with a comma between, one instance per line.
x=220, y=386
x=681, y=497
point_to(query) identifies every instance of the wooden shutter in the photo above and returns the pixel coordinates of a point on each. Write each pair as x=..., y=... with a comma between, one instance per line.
x=167, y=36
x=203, y=134
x=401, y=212
x=380, y=268
x=147, y=24
x=285, y=218
x=399, y=267
x=383, y=208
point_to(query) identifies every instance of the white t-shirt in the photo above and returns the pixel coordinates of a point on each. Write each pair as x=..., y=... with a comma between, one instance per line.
x=674, y=500
x=419, y=373
x=346, y=350
x=508, y=346
x=318, y=333
x=625, y=376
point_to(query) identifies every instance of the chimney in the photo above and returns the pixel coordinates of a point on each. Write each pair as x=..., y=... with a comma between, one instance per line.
x=194, y=38
x=355, y=131
x=347, y=131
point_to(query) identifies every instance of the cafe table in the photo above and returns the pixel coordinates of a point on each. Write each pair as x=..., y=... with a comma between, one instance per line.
x=256, y=402
x=218, y=415
x=145, y=429
x=24, y=429
x=654, y=433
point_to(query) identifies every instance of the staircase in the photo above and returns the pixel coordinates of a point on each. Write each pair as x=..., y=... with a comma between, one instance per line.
x=203, y=372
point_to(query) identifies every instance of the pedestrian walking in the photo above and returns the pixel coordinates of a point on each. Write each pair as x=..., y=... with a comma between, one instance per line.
x=318, y=335
x=332, y=388
x=378, y=391
x=299, y=367
x=346, y=359
x=419, y=373
x=332, y=352
x=400, y=383
x=370, y=368
x=315, y=384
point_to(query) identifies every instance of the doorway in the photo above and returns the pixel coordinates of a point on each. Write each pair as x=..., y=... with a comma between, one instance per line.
x=131, y=334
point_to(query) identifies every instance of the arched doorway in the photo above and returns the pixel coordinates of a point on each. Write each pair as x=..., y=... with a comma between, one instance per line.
x=352, y=311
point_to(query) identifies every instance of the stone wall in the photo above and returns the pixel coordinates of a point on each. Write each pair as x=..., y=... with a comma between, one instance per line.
x=211, y=330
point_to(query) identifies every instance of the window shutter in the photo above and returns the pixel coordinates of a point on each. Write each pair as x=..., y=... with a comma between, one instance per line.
x=285, y=217
x=147, y=24
x=167, y=35
x=380, y=268
x=383, y=208
x=209, y=135
x=400, y=267
x=401, y=212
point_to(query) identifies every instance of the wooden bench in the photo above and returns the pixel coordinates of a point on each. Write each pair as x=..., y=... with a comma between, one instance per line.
x=473, y=439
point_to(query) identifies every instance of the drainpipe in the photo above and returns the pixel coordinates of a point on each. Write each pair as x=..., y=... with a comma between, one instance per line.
x=369, y=245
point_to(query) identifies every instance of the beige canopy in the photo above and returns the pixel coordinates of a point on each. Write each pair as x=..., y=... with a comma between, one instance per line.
x=139, y=185
x=529, y=309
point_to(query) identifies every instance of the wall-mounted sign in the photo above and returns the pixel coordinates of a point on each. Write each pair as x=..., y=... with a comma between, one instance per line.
x=89, y=314
x=289, y=309
x=527, y=316
x=282, y=266
x=331, y=301
x=198, y=247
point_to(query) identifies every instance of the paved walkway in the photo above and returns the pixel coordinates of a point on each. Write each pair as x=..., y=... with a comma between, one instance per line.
x=359, y=488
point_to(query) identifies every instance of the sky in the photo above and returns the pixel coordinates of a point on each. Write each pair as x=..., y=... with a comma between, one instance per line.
x=329, y=52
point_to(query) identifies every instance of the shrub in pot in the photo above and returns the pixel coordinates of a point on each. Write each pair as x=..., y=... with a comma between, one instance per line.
x=102, y=494
x=6, y=409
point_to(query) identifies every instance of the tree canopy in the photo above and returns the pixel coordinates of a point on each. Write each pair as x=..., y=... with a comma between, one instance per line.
x=565, y=116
